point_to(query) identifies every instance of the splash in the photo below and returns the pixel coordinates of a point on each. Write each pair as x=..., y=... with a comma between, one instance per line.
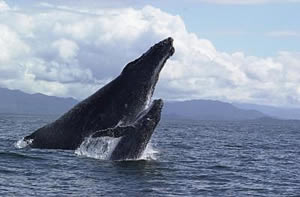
x=150, y=153
x=98, y=148
x=22, y=143
x=102, y=148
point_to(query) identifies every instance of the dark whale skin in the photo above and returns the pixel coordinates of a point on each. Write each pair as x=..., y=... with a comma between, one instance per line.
x=118, y=103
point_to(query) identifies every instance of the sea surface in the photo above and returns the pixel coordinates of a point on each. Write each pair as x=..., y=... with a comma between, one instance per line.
x=185, y=158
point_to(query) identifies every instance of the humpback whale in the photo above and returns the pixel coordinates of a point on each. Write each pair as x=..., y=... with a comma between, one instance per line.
x=119, y=109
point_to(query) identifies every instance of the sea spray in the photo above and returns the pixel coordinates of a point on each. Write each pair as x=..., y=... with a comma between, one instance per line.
x=102, y=148
x=98, y=148
x=150, y=153
x=22, y=143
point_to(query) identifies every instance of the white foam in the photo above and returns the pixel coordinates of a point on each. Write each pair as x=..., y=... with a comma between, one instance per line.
x=102, y=148
x=98, y=148
x=22, y=143
x=150, y=153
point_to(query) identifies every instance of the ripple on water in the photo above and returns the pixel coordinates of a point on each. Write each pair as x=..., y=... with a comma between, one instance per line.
x=16, y=155
x=188, y=158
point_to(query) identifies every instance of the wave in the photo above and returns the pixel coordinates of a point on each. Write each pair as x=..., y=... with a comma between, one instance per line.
x=17, y=155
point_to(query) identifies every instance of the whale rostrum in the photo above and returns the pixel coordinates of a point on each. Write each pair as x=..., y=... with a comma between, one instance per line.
x=119, y=109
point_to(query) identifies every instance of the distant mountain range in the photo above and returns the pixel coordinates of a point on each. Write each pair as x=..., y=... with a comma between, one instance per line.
x=276, y=112
x=208, y=110
x=18, y=102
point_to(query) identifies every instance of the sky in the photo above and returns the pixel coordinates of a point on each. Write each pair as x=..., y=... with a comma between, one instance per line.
x=230, y=50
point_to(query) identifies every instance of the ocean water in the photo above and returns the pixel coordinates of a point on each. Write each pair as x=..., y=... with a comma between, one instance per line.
x=186, y=158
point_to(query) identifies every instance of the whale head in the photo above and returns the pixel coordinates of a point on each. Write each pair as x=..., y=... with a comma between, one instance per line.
x=150, y=63
x=143, y=74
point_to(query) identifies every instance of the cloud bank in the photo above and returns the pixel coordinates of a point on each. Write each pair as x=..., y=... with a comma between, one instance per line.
x=66, y=52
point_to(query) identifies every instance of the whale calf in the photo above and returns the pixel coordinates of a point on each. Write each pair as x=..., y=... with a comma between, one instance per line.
x=122, y=104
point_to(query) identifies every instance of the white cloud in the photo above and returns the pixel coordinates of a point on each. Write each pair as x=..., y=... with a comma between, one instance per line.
x=3, y=6
x=11, y=46
x=67, y=48
x=72, y=52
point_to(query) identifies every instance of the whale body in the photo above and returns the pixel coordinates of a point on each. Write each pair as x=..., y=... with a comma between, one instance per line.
x=120, y=109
